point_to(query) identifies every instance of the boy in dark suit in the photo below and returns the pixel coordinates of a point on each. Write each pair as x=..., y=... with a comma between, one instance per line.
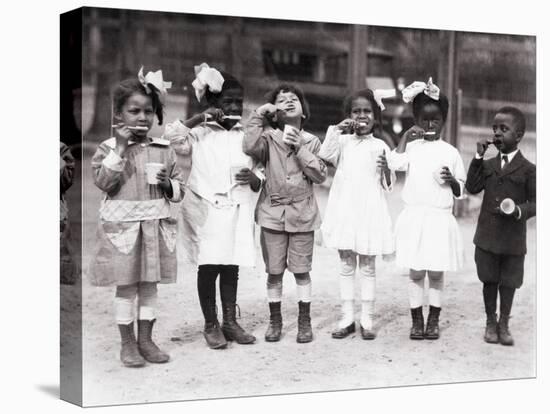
x=500, y=234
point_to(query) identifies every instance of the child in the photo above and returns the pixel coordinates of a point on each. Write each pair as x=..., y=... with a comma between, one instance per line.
x=137, y=237
x=428, y=239
x=287, y=210
x=218, y=220
x=500, y=234
x=357, y=221
x=68, y=267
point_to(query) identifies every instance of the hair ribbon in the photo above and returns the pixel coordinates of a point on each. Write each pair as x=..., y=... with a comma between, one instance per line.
x=154, y=79
x=207, y=78
x=380, y=94
x=429, y=88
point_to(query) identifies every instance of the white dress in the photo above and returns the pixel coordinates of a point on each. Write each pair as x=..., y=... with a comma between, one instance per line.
x=356, y=216
x=217, y=222
x=427, y=236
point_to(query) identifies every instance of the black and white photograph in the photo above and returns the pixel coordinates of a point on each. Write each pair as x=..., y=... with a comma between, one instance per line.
x=295, y=205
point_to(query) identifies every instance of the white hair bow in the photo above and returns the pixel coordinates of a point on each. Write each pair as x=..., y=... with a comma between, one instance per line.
x=415, y=88
x=155, y=79
x=380, y=94
x=207, y=77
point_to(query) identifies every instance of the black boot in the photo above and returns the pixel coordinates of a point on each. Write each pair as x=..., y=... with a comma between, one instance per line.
x=231, y=329
x=504, y=335
x=491, y=332
x=432, y=324
x=273, y=333
x=147, y=348
x=129, y=354
x=305, y=333
x=212, y=331
x=417, y=329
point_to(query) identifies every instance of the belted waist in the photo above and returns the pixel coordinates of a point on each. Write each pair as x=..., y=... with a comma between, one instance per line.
x=126, y=210
x=277, y=199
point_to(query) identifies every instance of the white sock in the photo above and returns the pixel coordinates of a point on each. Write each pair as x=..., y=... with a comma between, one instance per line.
x=435, y=290
x=416, y=293
x=367, y=314
x=303, y=292
x=125, y=299
x=124, y=310
x=348, y=314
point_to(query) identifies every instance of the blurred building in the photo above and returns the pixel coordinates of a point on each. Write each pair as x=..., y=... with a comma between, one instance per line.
x=325, y=59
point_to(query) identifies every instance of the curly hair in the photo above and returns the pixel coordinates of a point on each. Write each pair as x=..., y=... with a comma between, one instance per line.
x=271, y=97
x=229, y=82
x=131, y=86
x=421, y=100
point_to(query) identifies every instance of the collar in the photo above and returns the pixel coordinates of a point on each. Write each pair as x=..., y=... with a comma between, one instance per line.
x=510, y=155
x=363, y=137
x=111, y=142
x=215, y=125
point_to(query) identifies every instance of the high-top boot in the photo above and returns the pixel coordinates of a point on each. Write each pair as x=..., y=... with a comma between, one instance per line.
x=504, y=335
x=417, y=329
x=432, y=325
x=491, y=332
x=273, y=333
x=231, y=329
x=305, y=334
x=212, y=331
x=147, y=348
x=129, y=354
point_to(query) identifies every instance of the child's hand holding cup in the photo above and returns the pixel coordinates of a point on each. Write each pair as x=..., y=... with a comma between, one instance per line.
x=155, y=172
x=508, y=207
x=378, y=157
x=442, y=174
x=292, y=137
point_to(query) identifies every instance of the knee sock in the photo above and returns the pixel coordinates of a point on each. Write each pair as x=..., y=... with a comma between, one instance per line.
x=303, y=287
x=490, y=293
x=274, y=288
x=347, y=283
x=367, y=271
x=206, y=287
x=125, y=299
x=416, y=288
x=147, y=300
x=435, y=288
x=229, y=277
x=506, y=299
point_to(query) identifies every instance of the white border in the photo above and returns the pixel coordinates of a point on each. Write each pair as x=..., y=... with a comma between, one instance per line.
x=29, y=345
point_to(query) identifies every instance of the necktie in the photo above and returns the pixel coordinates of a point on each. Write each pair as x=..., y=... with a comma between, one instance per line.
x=505, y=161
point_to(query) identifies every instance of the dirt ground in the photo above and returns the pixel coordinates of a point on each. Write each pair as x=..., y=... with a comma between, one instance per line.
x=196, y=372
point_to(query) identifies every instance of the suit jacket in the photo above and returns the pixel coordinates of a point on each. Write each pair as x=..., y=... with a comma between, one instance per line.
x=497, y=233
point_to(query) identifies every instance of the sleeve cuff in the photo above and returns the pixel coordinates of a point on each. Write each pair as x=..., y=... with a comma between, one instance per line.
x=462, y=194
x=176, y=131
x=176, y=190
x=114, y=162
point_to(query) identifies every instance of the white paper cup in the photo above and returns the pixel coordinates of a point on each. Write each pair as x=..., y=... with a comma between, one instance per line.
x=507, y=206
x=288, y=128
x=152, y=168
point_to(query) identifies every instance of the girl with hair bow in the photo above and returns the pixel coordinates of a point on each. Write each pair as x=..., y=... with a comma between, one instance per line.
x=217, y=212
x=136, y=235
x=427, y=236
x=357, y=221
